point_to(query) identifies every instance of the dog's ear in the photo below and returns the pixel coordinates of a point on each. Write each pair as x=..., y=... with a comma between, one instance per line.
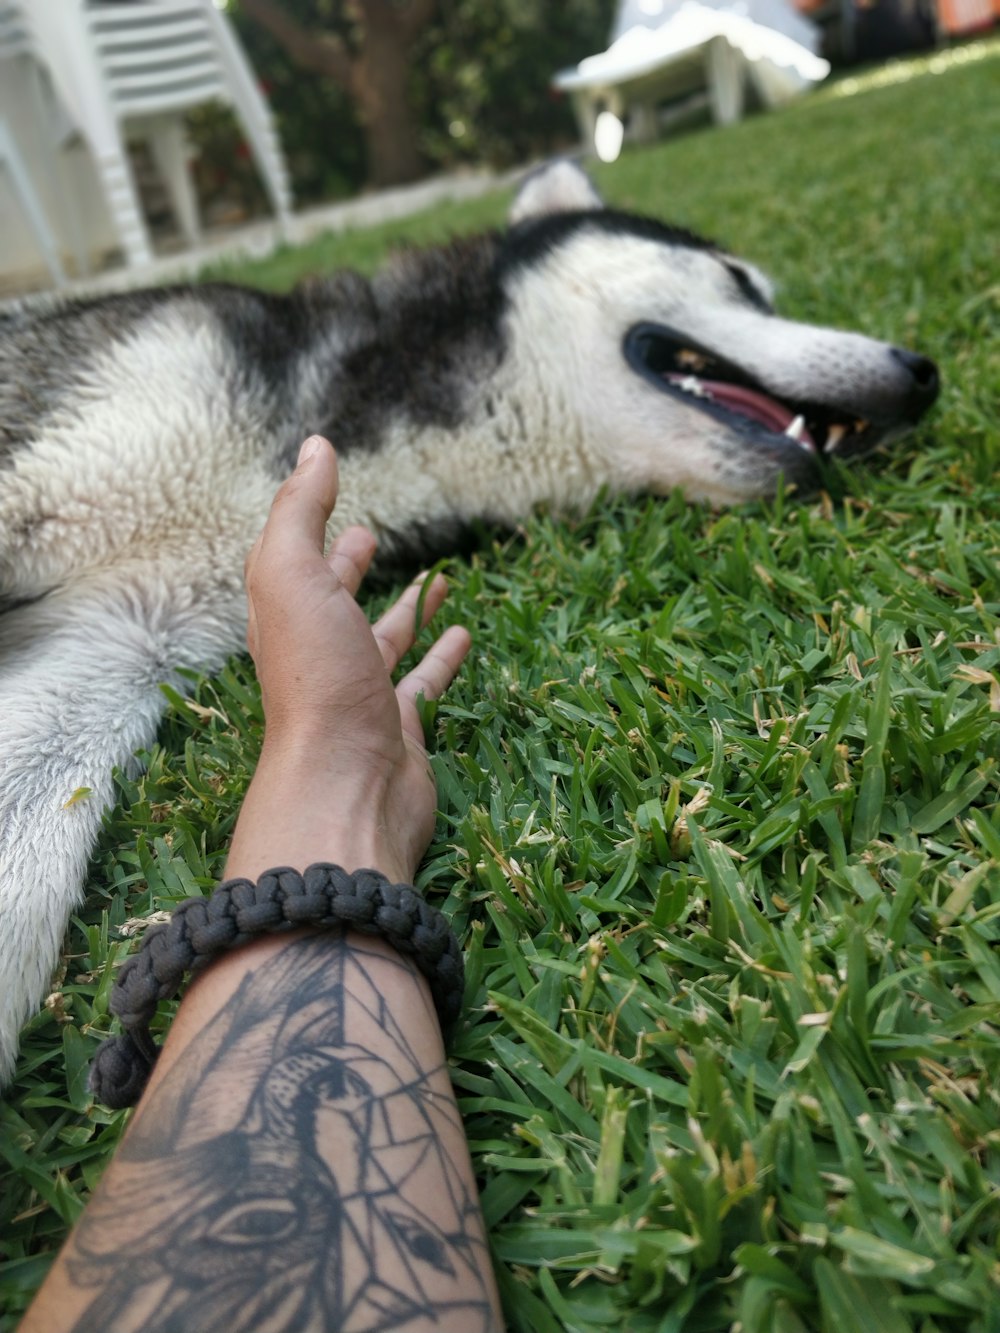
x=558, y=187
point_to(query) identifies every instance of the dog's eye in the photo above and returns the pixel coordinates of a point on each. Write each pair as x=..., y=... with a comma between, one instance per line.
x=749, y=289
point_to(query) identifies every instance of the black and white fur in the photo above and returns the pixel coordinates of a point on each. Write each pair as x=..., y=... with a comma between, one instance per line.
x=142, y=437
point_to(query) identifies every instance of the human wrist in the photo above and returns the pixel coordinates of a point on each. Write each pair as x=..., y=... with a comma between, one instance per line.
x=201, y=932
x=305, y=804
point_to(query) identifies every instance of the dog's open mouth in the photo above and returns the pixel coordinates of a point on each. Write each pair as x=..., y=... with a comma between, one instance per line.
x=682, y=367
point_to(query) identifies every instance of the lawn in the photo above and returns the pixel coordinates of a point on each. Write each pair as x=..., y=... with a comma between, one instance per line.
x=719, y=817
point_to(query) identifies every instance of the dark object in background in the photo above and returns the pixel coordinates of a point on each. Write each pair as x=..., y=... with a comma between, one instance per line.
x=884, y=28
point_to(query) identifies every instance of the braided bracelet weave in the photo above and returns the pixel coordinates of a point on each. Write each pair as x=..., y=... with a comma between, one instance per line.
x=282, y=899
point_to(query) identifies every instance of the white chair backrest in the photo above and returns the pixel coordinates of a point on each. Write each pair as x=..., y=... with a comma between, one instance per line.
x=158, y=57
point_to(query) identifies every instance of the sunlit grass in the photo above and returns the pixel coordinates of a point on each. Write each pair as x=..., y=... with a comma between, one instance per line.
x=719, y=815
x=903, y=71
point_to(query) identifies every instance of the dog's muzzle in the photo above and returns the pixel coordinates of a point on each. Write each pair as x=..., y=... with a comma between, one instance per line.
x=688, y=371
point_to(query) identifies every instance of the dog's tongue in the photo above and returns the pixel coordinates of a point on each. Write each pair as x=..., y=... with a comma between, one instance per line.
x=748, y=403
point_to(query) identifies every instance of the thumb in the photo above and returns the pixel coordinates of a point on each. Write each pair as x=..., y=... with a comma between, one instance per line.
x=296, y=525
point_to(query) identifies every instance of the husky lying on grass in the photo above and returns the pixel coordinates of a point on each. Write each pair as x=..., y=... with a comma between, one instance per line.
x=142, y=437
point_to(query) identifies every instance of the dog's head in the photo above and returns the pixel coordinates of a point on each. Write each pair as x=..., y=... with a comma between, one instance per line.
x=685, y=376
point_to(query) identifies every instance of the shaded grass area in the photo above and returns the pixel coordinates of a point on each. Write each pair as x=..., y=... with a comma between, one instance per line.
x=719, y=815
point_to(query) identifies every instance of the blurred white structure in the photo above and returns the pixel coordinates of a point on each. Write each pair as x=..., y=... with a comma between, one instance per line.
x=79, y=79
x=666, y=50
x=12, y=165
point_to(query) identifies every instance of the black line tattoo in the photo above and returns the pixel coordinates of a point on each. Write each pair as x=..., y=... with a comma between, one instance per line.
x=329, y=1197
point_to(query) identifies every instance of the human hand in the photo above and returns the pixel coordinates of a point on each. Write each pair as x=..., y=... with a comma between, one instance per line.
x=343, y=774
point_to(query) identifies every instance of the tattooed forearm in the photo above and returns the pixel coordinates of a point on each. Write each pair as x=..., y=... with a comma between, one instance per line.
x=301, y=1166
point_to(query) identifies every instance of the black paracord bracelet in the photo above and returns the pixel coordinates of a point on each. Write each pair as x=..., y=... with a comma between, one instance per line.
x=200, y=929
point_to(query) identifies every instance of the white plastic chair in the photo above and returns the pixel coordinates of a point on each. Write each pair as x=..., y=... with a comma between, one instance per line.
x=673, y=49
x=132, y=70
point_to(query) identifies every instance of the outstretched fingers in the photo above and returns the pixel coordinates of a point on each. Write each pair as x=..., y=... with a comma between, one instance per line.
x=396, y=630
x=431, y=676
x=350, y=557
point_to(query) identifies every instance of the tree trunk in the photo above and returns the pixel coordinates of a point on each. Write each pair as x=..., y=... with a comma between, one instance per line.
x=380, y=77
x=375, y=76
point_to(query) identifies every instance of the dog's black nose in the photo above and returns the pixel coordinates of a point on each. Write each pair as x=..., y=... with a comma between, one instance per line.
x=924, y=381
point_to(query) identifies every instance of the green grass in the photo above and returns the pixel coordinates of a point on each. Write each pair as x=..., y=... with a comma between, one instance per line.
x=719, y=814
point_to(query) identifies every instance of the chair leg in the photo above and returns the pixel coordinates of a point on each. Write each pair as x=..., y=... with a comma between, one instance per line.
x=123, y=205
x=585, y=110
x=254, y=117
x=170, y=153
x=726, y=81
x=25, y=191
x=267, y=156
x=56, y=168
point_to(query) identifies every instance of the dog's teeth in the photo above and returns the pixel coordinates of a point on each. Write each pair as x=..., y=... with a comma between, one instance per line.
x=796, y=428
x=834, y=435
x=692, y=384
x=691, y=360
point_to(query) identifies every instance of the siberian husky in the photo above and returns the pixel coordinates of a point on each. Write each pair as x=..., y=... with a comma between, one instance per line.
x=142, y=437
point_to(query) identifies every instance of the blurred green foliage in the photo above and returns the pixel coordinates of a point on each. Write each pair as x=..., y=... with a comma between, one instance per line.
x=479, y=91
x=485, y=70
